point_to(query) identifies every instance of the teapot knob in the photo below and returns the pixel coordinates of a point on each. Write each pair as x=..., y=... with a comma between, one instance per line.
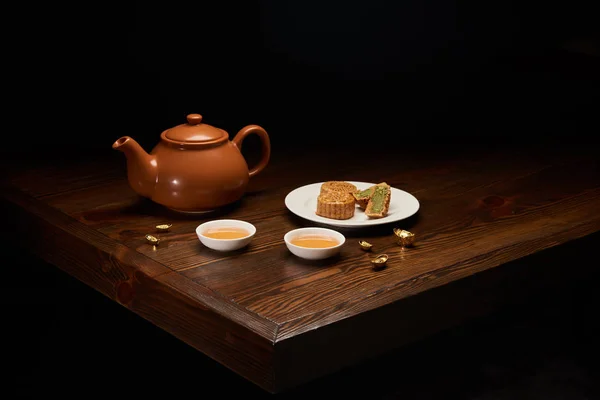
x=194, y=119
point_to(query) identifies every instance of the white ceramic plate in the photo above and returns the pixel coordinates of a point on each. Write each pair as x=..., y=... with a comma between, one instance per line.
x=303, y=202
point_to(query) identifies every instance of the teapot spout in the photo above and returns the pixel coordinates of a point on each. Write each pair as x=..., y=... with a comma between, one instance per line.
x=141, y=167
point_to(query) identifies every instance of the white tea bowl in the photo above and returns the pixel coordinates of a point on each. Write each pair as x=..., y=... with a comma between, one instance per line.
x=225, y=244
x=314, y=253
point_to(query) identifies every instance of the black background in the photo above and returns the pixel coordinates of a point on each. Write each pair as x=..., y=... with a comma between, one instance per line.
x=308, y=71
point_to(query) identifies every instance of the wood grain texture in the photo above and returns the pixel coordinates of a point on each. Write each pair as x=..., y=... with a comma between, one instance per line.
x=193, y=313
x=278, y=320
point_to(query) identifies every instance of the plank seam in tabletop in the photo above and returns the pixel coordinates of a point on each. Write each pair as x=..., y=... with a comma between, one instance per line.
x=47, y=212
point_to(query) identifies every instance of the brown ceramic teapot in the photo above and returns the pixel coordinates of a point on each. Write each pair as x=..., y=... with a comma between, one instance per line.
x=194, y=167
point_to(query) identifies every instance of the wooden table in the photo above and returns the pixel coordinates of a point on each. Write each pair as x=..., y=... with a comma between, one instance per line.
x=280, y=321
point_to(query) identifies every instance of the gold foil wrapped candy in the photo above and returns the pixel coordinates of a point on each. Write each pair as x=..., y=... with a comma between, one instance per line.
x=379, y=262
x=366, y=246
x=152, y=240
x=163, y=227
x=405, y=238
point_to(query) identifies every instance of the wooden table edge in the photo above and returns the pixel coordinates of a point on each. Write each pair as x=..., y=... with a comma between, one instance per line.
x=350, y=341
x=239, y=339
x=275, y=345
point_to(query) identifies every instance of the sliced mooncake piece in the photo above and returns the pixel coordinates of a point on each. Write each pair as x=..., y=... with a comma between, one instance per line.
x=362, y=196
x=379, y=203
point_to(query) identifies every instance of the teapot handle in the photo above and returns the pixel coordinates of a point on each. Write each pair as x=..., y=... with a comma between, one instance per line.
x=265, y=148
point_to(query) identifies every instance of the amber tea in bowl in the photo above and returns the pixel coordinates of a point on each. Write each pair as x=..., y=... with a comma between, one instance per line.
x=225, y=234
x=314, y=243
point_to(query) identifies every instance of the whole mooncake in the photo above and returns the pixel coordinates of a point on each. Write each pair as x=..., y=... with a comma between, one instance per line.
x=336, y=205
x=337, y=186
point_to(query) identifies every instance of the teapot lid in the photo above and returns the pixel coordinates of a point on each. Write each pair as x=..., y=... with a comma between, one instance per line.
x=195, y=132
